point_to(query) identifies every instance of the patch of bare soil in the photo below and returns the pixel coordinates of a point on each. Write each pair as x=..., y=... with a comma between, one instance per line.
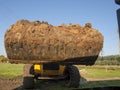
x=11, y=84
x=16, y=83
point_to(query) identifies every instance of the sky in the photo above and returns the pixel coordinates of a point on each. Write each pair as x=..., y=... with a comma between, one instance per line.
x=101, y=13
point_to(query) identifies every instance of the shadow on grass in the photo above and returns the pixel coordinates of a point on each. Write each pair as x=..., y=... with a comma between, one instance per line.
x=84, y=85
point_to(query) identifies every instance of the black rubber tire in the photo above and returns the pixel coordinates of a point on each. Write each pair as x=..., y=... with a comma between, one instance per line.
x=73, y=76
x=28, y=80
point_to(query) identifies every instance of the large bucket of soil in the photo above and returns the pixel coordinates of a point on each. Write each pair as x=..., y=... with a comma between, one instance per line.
x=40, y=42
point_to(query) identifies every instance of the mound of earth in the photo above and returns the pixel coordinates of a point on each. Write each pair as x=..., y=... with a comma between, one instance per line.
x=38, y=42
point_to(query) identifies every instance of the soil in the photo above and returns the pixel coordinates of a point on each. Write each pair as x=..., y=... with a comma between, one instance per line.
x=40, y=42
x=16, y=83
x=11, y=84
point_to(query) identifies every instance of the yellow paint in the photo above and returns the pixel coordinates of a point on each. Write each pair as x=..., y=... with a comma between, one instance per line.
x=38, y=69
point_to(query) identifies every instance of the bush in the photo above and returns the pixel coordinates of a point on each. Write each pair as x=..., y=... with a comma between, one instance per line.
x=3, y=59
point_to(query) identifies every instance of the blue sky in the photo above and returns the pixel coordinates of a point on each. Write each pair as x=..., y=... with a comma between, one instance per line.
x=101, y=13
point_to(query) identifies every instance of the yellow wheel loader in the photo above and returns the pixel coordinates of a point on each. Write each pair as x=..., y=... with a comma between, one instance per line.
x=49, y=52
x=68, y=73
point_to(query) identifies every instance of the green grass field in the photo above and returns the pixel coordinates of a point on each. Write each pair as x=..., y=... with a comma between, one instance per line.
x=9, y=71
x=100, y=72
x=99, y=76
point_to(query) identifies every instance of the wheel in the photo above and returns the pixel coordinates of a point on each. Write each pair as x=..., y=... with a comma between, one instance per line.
x=73, y=76
x=28, y=80
x=117, y=2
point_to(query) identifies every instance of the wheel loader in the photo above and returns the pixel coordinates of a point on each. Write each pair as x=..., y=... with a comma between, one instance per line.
x=68, y=73
x=50, y=52
x=62, y=70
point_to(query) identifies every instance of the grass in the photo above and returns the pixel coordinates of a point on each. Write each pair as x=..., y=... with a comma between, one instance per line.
x=100, y=72
x=8, y=70
x=97, y=74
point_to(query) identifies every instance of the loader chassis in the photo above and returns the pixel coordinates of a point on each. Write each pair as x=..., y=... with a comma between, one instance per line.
x=32, y=72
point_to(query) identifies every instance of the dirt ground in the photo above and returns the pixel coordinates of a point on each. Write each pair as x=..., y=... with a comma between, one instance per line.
x=16, y=83
x=11, y=84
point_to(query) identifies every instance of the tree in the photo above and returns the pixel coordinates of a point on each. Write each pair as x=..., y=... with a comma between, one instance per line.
x=3, y=58
x=118, y=58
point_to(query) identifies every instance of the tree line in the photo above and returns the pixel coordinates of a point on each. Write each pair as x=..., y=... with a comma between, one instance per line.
x=108, y=60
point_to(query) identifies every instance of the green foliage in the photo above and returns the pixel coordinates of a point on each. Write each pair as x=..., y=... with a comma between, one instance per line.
x=108, y=60
x=3, y=58
x=118, y=59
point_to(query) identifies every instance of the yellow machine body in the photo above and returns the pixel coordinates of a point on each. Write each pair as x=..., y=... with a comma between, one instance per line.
x=39, y=69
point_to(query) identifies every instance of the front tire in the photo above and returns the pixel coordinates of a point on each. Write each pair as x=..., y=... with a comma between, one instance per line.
x=73, y=76
x=28, y=80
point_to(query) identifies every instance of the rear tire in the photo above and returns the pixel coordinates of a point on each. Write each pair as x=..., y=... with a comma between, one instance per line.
x=73, y=76
x=28, y=80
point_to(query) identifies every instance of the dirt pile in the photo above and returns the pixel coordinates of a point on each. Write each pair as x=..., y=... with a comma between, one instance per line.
x=42, y=42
